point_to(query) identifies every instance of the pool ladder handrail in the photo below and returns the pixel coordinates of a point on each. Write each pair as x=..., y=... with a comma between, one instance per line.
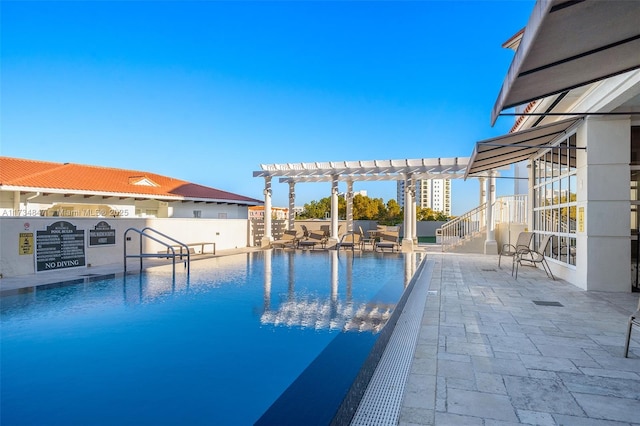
x=171, y=252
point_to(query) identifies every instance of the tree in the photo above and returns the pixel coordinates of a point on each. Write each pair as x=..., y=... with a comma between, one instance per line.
x=365, y=208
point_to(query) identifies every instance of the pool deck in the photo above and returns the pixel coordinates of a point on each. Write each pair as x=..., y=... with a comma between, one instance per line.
x=486, y=354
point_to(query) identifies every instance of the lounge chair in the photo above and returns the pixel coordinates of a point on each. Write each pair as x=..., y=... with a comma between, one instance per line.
x=366, y=239
x=634, y=319
x=386, y=239
x=289, y=239
x=535, y=256
x=522, y=243
x=350, y=240
x=314, y=238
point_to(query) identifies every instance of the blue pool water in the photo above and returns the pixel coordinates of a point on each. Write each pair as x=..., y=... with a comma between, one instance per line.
x=220, y=348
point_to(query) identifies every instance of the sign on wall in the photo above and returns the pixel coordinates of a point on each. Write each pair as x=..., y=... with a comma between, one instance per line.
x=25, y=243
x=102, y=235
x=60, y=246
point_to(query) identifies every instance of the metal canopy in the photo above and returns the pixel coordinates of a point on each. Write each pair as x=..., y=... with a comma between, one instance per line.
x=371, y=170
x=515, y=147
x=568, y=44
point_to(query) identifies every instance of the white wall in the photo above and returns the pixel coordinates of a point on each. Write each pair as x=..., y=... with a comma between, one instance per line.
x=14, y=204
x=227, y=234
x=604, y=252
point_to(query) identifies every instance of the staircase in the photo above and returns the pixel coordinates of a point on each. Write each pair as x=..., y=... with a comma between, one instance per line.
x=467, y=233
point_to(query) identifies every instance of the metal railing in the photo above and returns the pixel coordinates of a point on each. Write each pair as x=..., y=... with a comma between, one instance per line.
x=464, y=226
x=510, y=209
x=507, y=209
x=171, y=251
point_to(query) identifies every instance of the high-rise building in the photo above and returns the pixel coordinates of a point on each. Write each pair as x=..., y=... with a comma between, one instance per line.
x=432, y=193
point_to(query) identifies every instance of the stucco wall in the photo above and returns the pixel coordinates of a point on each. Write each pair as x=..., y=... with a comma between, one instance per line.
x=227, y=234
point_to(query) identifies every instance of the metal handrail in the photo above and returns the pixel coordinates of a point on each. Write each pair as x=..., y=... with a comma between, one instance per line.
x=181, y=244
x=463, y=226
x=506, y=209
x=171, y=252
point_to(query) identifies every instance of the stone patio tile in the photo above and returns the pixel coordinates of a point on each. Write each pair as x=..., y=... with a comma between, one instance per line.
x=480, y=404
x=618, y=387
x=453, y=357
x=615, y=360
x=536, y=418
x=538, y=362
x=466, y=348
x=562, y=351
x=446, y=419
x=461, y=370
x=491, y=383
x=609, y=408
x=415, y=417
x=423, y=365
x=543, y=374
x=565, y=420
x=420, y=392
x=506, y=355
x=533, y=394
x=610, y=373
x=513, y=344
x=465, y=384
x=483, y=364
x=488, y=329
x=576, y=342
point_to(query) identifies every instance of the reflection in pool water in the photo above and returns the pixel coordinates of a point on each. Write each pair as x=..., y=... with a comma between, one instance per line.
x=219, y=348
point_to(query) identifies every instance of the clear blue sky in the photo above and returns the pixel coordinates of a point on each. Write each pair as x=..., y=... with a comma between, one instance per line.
x=206, y=91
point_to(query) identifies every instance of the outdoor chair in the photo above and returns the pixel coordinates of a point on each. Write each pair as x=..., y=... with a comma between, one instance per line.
x=289, y=239
x=634, y=319
x=314, y=238
x=522, y=243
x=366, y=239
x=535, y=257
x=389, y=240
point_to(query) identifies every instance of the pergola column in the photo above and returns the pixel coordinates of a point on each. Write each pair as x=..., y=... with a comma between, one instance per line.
x=267, y=239
x=407, y=239
x=349, y=206
x=292, y=205
x=414, y=213
x=334, y=209
x=490, y=245
x=483, y=199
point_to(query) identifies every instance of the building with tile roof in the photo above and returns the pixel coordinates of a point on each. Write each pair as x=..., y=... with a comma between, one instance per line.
x=42, y=188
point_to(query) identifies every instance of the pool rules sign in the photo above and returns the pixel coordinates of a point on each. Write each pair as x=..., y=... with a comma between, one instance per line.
x=60, y=246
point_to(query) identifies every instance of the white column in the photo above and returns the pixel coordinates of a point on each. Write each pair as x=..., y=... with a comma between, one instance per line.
x=483, y=198
x=16, y=203
x=292, y=205
x=490, y=245
x=349, y=206
x=334, y=210
x=407, y=240
x=267, y=238
x=414, y=219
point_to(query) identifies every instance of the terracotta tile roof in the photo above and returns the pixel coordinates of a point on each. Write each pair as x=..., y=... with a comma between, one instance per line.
x=79, y=178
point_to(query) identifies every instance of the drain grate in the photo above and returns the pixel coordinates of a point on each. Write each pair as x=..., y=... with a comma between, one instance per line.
x=488, y=270
x=89, y=275
x=544, y=303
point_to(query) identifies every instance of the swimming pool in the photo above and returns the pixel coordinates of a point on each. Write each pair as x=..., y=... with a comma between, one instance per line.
x=247, y=338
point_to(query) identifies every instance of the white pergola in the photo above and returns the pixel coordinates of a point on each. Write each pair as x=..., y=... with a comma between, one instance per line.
x=407, y=170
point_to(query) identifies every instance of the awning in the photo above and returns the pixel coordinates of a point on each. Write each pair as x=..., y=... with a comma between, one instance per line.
x=568, y=44
x=512, y=148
